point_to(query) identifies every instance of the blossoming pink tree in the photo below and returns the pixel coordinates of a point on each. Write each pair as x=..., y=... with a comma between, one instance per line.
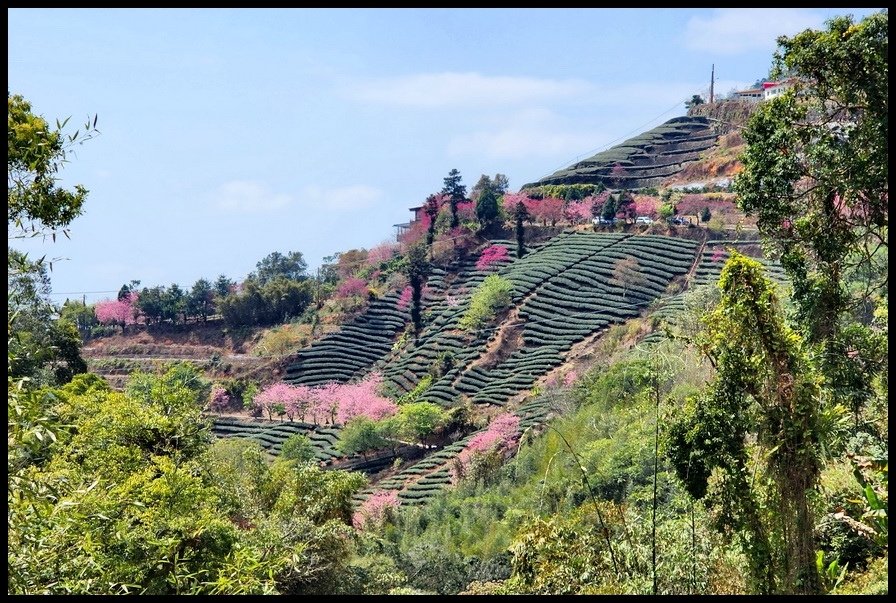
x=117, y=311
x=351, y=287
x=597, y=202
x=328, y=403
x=362, y=399
x=511, y=200
x=494, y=254
x=376, y=509
x=578, y=211
x=219, y=399
x=381, y=253
x=646, y=205
x=718, y=254
x=404, y=300
x=413, y=235
x=500, y=437
x=550, y=209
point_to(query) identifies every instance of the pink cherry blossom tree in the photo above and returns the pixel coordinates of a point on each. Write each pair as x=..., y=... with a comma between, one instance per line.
x=494, y=254
x=466, y=211
x=511, y=199
x=647, y=205
x=219, y=399
x=352, y=287
x=597, y=202
x=325, y=403
x=362, y=399
x=404, y=300
x=551, y=209
x=578, y=211
x=376, y=509
x=413, y=235
x=718, y=254
x=381, y=253
x=500, y=437
x=117, y=311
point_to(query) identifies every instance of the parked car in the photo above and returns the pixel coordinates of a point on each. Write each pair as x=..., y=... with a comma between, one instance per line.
x=603, y=221
x=643, y=220
x=679, y=220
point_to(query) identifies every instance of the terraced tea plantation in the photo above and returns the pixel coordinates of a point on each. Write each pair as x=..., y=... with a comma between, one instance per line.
x=706, y=273
x=350, y=352
x=570, y=288
x=271, y=434
x=643, y=161
x=565, y=291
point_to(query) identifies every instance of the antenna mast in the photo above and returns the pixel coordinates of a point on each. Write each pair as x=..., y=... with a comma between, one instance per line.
x=712, y=82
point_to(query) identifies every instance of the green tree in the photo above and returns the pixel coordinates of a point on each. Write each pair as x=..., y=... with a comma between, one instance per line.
x=756, y=429
x=456, y=193
x=666, y=211
x=417, y=268
x=487, y=208
x=695, y=100
x=417, y=421
x=520, y=214
x=431, y=208
x=816, y=173
x=291, y=266
x=42, y=347
x=223, y=286
x=35, y=154
x=82, y=315
x=151, y=303
x=297, y=447
x=361, y=435
x=498, y=185
x=491, y=296
x=200, y=301
x=124, y=508
x=174, y=303
x=609, y=209
x=274, y=302
x=705, y=214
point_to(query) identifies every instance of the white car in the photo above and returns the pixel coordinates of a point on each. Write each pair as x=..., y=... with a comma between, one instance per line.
x=643, y=220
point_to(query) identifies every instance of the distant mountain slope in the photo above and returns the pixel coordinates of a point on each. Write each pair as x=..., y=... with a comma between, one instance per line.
x=643, y=161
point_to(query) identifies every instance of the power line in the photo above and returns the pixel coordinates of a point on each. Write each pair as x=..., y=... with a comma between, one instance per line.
x=622, y=138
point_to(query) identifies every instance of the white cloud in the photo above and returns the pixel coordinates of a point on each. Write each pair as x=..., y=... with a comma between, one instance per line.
x=739, y=30
x=341, y=198
x=440, y=90
x=249, y=196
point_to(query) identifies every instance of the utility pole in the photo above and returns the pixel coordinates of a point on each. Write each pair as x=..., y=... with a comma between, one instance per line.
x=712, y=83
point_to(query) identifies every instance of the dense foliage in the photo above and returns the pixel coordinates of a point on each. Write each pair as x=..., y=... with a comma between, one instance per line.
x=740, y=447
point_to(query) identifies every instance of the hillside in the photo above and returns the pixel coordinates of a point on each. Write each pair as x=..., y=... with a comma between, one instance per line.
x=567, y=292
x=218, y=352
x=662, y=370
x=645, y=160
x=690, y=150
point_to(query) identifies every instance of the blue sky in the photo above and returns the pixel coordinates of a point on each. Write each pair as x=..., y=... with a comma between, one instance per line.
x=227, y=134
